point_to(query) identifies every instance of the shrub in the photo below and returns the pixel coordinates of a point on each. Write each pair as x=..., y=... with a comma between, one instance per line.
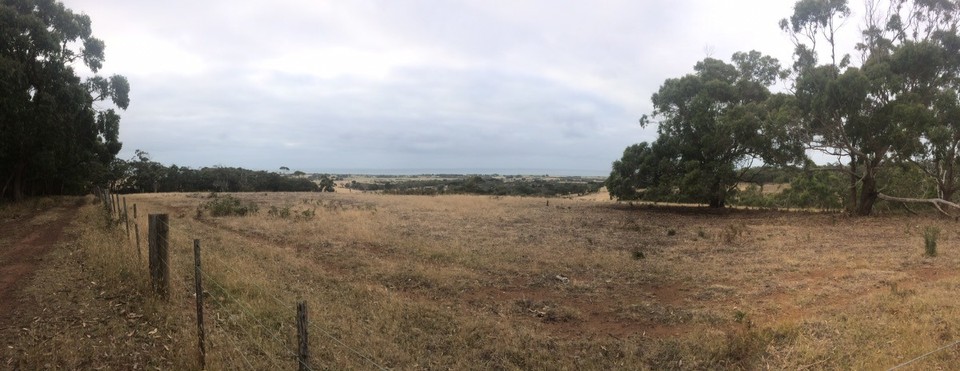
x=229, y=205
x=279, y=212
x=733, y=232
x=307, y=214
x=930, y=236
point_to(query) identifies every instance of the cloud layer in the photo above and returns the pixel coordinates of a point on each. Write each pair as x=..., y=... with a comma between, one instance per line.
x=328, y=85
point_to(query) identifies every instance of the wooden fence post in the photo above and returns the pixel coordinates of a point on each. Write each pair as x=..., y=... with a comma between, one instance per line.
x=159, y=254
x=303, y=351
x=134, y=211
x=126, y=219
x=136, y=229
x=105, y=197
x=199, y=290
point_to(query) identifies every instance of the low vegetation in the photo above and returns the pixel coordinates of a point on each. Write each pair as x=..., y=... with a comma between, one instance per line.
x=480, y=185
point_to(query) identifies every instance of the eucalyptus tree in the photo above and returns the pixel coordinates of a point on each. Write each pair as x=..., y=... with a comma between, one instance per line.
x=886, y=108
x=929, y=31
x=52, y=139
x=712, y=125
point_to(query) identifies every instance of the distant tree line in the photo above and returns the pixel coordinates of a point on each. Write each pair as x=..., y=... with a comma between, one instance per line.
x=481, y=185
x=889, y=115
x=142, y=175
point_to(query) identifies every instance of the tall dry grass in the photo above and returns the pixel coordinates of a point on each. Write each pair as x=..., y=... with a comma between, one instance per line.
x=483, y=282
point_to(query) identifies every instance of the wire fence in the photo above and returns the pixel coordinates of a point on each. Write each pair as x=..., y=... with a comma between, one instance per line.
x=238, y=337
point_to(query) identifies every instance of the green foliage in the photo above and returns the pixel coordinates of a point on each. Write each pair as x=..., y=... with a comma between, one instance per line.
x=287, y=212
x=326, y=184
x=279, y=212
x=899, y=105
x=145, y=175
x=714, y=122
x=484, y=185
x=814, y=189
x=228, y=206
x=53, y=137
x=907, y=180
x=930, y=236
x=644, y=172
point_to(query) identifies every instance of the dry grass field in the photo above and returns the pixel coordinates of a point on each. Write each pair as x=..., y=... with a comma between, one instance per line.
x=477, y=282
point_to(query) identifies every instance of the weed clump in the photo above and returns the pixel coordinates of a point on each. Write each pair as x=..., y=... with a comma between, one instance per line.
x=286, y=212
x=733, y=232
x=228, y=206
x=279, y=212
x=930, y=236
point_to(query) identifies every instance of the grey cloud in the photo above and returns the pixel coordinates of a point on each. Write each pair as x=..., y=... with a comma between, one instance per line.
x=489, y=85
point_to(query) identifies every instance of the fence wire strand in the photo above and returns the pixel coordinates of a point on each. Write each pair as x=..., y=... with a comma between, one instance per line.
x=240, y=304
x=184, y=286
x=248, y=311
x=236, y=345
x=362, y=355
x=925, y=355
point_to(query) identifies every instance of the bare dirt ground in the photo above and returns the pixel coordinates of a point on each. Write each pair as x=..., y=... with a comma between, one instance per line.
x=59, y=309
x=26, y=240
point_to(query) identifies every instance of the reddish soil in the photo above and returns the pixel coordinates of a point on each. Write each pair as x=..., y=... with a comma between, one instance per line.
x=24, y=241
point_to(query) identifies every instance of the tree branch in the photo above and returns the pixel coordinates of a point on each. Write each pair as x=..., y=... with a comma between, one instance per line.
x=938, y=203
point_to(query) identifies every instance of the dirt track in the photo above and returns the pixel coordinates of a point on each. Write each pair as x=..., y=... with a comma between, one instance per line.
x=24, y=241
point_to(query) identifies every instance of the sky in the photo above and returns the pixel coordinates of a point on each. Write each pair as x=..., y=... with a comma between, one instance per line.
x=328, y=86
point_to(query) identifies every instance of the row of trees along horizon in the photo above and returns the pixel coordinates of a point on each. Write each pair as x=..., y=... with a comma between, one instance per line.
x=890, y=112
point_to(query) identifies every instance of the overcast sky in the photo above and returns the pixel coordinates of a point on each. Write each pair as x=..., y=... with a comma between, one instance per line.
x=336, y=85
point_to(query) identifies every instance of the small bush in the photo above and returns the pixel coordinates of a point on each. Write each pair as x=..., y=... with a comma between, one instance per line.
x=671, y=232
x=733, y=232
x=307, y=214
x=279, y=212
x=739, y=316
x=229, y=206
x=930, y=236
x=286, y=212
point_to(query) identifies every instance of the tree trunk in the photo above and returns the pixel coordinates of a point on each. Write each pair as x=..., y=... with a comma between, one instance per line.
x=6, y=185
x=868, y=195
x=852, y=202
x=716, y=196
x=947, y=185
x=18, y=181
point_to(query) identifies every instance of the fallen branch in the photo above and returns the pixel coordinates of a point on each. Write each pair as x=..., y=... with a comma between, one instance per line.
x=937, y=203
x=904, y=204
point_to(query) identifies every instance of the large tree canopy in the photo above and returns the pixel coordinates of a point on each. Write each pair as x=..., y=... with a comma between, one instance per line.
x=897, y=105
x=894, y=107
x=713, y=124
x=52, y=139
